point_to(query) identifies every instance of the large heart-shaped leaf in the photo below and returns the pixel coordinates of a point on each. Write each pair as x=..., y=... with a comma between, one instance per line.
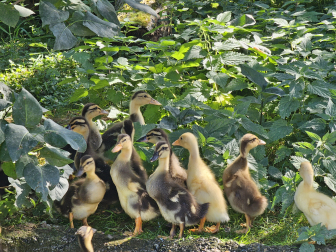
x=51, y=15
x=8, y=14
x=64, y=38
x=22, y=192
x=22, y=162
x=58, y=136
x=26, y=110
x=76, y=25
x=40, y=178
x=100, y=27
x=55, y=156
x=60, y=189
x=141, y=7
x=107, y=10
x=9, y=169
x=18, y=141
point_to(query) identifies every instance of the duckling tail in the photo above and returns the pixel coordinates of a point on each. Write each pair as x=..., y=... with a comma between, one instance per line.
x=258, y=206
x=203, y=210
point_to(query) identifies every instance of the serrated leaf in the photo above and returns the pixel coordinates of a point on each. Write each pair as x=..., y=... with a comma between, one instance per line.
x=100, y=27
x=234, y=58
x=50, y=14
x=55, y=156
x=254, y=76
x=314, y=136
x=142, y=130
x=279, y=130
x=280, y=21
x=251, y=126
x=195, y=52
x=78, y=94
x=24, y=12
x=307, y=247
x=8, y=14
x=60, y=189
x=330, y=182
x=224, y=17
x=18, y=141
x=235, y=84
x=152, y=114
x=282, y=153
x=64, y=38
x=58, y=136
x=40, y=178
x=220, y=78
x=275, y=90
x=318, y=88
x=317, y=124
x=106, y=9
x=141, y=7
x=303, y=236
x=9, y=169
x=22, y=192
x=275, y=172
x=296, y=161
x=287, y=106
x=26, y=110
x=243, y=21
x=330, y=109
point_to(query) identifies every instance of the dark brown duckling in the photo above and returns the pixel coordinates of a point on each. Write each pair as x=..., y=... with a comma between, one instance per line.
x=240, y=189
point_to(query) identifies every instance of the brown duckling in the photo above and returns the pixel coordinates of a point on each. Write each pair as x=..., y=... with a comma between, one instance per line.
x=132, y=192
x=177, y=205
x=316, y=206
x=240, y=189
x=85, y=234
x=83, y=196
x=176, y=171
x=203, y=185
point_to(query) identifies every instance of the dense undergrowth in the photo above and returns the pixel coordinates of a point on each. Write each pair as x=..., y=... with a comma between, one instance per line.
x=226, y=68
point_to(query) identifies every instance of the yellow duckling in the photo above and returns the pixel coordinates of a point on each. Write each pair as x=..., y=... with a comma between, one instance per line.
x=203, y=185
x=241, y=191
x=85, y=234
x=131, y=188
x=83, y=196
x=317, y=207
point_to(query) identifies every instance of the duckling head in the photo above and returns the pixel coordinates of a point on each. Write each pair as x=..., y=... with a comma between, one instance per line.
x=92, y=110
x=87, y=164
x=307, y=173
x=141, y=98
x=162, y=150
x=128, y=128
x=80, y=125
x=124, y=142
x=187, y=140
x=154, y=136
x=248, y=142
x=85, y=234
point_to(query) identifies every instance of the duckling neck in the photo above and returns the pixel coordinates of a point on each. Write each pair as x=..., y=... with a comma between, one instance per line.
x=194, y=152
x=163, y=164
x=308, y=182
x=135, y=109
x=91, y=175
x=125, y=154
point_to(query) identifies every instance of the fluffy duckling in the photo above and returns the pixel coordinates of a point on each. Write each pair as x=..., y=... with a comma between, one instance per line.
x=133, y=196
x=177, y=205
x=176, y=171
x=83, y=196
x=317, y=207
x=91, y=111
x=85, y=234
x=241, y=191
x=203, y=185
x=80, y=125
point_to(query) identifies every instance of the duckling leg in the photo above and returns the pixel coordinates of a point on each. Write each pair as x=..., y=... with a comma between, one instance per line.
x=85, y=223
x=172, y=231
x=213, y=229
x=181, y=230
x=248, y=225
x=138, y=226
x=200, y=227
x=71, y=220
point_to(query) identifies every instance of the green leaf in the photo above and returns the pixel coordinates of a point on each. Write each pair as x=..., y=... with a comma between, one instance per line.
x=51, y=15
x=106, y=9
x=314, y=136
x=78, y=94
x=275, y=172
x=331, y=109
x=287, y=106
x=60, y=189
x=282, y=153
x=330, y=182
x=220, y=78
x=330, y=165
x=3, y=125
x=22, y=162
x=303, y=236
x=141, y=7
x=58, y=136
x=152, y=114
x=9, y=169
x=318, y=87
x=234, y=58
x=224, y=17
x=41, y=178
x=254, y=76
x=279, y=130
x=243, y=21
x=4, y=104
x=22, y=192
x=235, y=84
x=8, y=14
x=195, y=52
x=100, y=27
x=64, y=38
x=26, y=110
x=56, y=156
x=18, y=141
x=256, y=128
x=317, y=124
x=296, y=161
x=76, y=25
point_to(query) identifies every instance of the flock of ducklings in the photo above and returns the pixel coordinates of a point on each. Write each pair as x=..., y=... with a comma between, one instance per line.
x=182, y=197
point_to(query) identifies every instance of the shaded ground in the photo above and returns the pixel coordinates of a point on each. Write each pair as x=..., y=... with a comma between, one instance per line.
x=47, y=237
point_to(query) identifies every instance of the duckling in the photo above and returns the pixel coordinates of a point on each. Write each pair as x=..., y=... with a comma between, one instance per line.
x=203, y=185
x=80, y=125
x=133, y=196
x=176, y=171
x=85, y=234
x=91, y=111
x=317, y=207
x=177, y=205
x=83, y=196
x=241, y=191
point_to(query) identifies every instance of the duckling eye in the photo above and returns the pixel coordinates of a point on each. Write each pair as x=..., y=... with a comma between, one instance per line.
x=145, y=96
x=181, y=138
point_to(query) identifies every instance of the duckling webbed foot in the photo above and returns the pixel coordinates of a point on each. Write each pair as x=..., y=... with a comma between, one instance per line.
x=200, y=228
x=247, y=225
x=213, y=229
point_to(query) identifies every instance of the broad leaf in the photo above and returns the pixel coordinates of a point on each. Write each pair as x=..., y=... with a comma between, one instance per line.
x=56, y=156
x=254, y=76
x=8, y=14
x=4, y=104
x=330, y=182
x=22, y=162
x=76, y=25
x=78, y=94
x=287, y=106
x=60, y=189
x=296, y=161
x=58, y=136
x=243, y=21
x=51, y=15
x=26, y=110
x=331, y=109
x=107, y=10
x=274, y=172
x=64, y=38
x=141, y=7
x=40, y=178
x=9, y=169
x=282, y=153
x=22, y=192
x=224, y=17
x=100, y=27
x=279, y=130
